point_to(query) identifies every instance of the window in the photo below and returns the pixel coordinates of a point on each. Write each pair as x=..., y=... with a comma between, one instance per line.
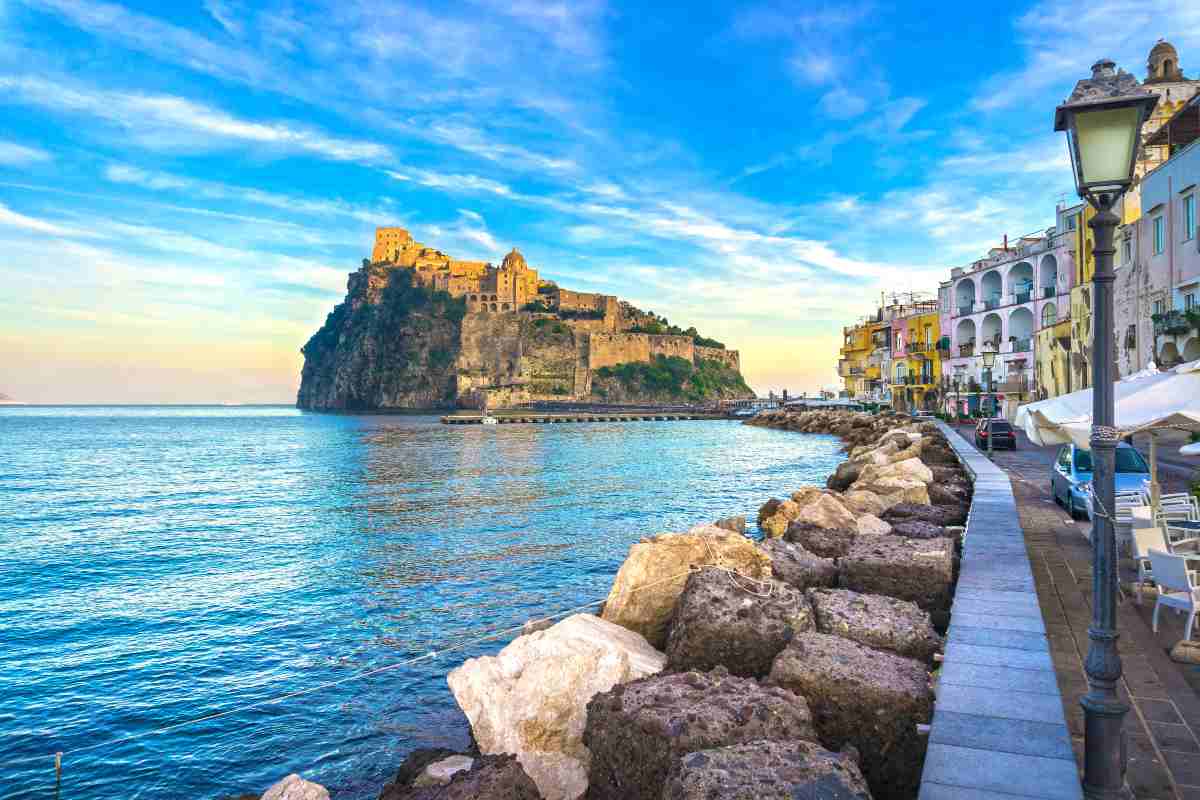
x=1189, y=301
x=1189, y=217
x=928, y=337
x=1071, y=222
x=1158, y=235
x=1158, y=306
x=1126, y=251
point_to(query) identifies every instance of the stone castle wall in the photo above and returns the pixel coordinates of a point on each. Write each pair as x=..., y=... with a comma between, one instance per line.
x=610, y=349
x=727, y=357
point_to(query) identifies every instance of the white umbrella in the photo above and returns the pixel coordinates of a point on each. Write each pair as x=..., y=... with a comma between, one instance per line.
x=1192, y=449
x=1145, y=401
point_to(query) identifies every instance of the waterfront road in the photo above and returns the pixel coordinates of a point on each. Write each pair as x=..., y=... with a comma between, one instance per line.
x=1163, y=726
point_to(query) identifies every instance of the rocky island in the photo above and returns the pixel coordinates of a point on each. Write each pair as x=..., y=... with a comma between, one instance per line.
x=419, y=329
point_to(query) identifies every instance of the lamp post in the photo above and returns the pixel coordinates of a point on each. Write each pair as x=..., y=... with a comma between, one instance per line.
x=1103, y=120
x=989, y=361
x=957, y=398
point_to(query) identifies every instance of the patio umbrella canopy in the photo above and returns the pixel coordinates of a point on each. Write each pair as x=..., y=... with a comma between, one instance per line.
x=1145, y=401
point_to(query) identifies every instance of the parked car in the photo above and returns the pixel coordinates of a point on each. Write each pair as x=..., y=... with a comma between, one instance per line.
x=1071, y=477
x=1002, y=432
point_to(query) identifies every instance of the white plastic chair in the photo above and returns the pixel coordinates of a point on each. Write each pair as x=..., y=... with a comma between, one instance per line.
x=1145, y=540
x=1176, y=588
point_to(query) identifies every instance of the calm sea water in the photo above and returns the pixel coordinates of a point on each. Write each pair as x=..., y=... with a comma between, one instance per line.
x=162, y=564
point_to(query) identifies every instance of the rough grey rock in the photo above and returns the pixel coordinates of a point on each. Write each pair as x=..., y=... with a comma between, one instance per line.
x=498, y=777
x=637, y=732
x=953, y=495
x=825, y=542
x=867, y=698
x=736, y=524
x=937, y=515
x=798, y=567
x=938, y=452
x=719, y=621
x=918, y=570
x=881, y=622
x=767, y=771
x=915, y=529
x=411, y=768
x=846, y=474
x=946, y=473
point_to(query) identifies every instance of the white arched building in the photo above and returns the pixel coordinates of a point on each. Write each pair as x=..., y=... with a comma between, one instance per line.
x=1001, y=301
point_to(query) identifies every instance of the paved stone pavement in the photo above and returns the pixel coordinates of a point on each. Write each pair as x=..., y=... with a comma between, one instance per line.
x=1163, y=727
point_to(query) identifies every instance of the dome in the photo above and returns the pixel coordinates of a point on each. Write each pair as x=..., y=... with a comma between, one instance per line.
x=514, y=261
x=1163, y=63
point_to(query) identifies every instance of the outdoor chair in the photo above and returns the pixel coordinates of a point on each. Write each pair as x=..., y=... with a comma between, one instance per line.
x=1145, y=540
x=1176, y=588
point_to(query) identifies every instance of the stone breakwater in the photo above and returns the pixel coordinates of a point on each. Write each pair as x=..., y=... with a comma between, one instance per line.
x=721, y=666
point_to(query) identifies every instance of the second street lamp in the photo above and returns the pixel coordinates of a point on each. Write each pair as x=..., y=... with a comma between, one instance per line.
x=989, y=361
x=1103, y=121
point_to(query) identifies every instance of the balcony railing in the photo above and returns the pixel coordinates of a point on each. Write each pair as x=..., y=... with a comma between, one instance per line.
x=1048, y=291
x=991, y=303
x=1022, y=345
x=1022, y=297
x=966, y=350
x=965, y=308
x=1171, y=323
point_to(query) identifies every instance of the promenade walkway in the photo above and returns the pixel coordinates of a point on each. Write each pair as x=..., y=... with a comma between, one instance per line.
x=1164, y=721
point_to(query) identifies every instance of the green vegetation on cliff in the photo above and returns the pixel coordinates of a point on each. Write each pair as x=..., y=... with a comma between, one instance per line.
x=669, y=378
x=661, y=327
x=398, y=352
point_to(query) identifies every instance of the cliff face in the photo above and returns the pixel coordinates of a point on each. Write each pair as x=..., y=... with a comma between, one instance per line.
x=399, y=342
x=389, y=344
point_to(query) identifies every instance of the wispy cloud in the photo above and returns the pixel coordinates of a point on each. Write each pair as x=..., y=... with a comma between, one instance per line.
x=225, y=16
x=19, y=155
x=12, y=219
x=1059, y=42
x=168, y=121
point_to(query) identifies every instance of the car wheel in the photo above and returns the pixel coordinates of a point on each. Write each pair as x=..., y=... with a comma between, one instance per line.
x=1071, y=509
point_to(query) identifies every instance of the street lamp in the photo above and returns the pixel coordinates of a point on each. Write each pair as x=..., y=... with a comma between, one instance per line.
x=1103, y=120
x=989, y=361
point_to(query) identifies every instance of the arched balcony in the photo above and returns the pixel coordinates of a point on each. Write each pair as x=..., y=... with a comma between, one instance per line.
x=991, y=331
x=964, y=337
x=992, y=290
x=1020, y=282
x=964, y=297
x=1020, y=330
x=1049, y=315
x=1048, y=276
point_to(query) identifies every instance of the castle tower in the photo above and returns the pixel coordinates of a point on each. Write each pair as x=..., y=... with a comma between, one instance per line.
x=388, y=244
x=1162, y=66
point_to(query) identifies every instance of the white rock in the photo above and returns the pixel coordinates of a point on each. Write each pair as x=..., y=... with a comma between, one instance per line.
x=531, y=698
x=439, y=773
x=293, y=787
x=871, y=525
x=825, y=511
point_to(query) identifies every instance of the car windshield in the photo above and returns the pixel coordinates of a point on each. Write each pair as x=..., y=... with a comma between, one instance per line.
x=1001, y=427
x=1128, y=460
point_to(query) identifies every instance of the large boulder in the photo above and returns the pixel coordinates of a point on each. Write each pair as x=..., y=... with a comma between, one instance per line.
x=825, y=511
x=949, y=494
x=825, y=542
x=767, y=771
x=649, y=582
x=531, y=699
x=496, y=777
x=949, y=473
x=938, y=452
x=797, y=566
x=916, y=529
x=846, y=474
x=768, y=509
x=920, y=571
x=638, y=731
x=863, y=502
x=870, y=699
x=411, y=768
x=721, y=620
x=735, y=524
x=881, y=622
x=871, y=525
x=293, y=787
x=935, y=515
x=893, y=489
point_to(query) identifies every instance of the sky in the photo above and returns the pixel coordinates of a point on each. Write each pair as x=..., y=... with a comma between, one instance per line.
x=185, y=186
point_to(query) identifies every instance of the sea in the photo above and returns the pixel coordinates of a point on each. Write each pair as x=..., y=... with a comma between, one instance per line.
x=197, y=601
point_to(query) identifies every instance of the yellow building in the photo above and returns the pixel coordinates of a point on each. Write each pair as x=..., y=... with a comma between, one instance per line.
x=852, y=367
x=916, y=361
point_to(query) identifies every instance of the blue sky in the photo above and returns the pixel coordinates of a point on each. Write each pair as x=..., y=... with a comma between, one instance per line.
x=184, y=186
